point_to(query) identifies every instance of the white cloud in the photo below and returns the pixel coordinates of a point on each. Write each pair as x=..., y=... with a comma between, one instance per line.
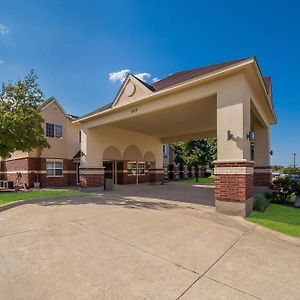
x=142, y=76
x=4, y=30
x=2, y=61
x=155, y=79
x=120, y=75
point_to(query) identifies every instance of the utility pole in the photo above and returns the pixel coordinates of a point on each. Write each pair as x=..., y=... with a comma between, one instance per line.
x=294, y=160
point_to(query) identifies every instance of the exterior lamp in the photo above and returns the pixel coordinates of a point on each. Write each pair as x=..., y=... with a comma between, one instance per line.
x=229, y=135
x=251, y=136
x=271, y=152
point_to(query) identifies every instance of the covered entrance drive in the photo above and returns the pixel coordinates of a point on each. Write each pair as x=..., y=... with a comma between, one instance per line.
x=230, y=101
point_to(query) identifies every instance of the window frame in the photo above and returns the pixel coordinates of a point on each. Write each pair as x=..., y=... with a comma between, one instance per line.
x=136, y=168
x=55, y=167
x=56, y=128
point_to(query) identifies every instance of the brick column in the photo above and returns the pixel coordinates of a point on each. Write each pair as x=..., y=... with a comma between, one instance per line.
x=156, y=176
x=262, y=176
x=234, y=187
x=193, y=171
x=185, y=172
x=91, y=177
x=171, y=172
x=2, y=169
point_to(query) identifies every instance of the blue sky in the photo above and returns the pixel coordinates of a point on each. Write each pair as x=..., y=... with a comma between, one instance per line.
x=74, y=46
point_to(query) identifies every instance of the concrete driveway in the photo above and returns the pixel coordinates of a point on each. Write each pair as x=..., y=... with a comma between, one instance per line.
x=136, y=243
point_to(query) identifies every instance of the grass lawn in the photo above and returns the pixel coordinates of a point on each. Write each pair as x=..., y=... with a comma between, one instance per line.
x=280, y=218
x=209, y=181
x=17, y=196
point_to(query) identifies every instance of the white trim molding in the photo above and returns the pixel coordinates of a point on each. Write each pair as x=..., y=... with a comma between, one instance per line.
x=233, y=171
x=91, y=171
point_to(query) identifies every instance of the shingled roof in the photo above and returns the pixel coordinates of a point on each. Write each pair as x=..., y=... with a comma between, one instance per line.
x=183, y=76
x=267, y=82
x=102, y=108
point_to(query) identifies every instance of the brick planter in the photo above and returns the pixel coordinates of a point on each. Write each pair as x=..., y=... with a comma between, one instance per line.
x=234, y=187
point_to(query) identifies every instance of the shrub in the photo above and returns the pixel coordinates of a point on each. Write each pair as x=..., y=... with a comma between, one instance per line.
x=282, y=189
x=260, y=203
x=268, y=195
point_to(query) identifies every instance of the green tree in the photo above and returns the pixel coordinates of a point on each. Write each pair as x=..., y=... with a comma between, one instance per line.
x=195, y=153
x=277, y=168
x=290, y=170
x=21, y=122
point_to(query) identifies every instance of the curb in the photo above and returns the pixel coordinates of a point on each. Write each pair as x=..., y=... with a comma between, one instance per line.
x=32, y=201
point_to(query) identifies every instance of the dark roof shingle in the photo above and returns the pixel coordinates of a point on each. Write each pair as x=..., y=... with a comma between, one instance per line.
x=267, y=82
x=182, y=76
x=102, y=108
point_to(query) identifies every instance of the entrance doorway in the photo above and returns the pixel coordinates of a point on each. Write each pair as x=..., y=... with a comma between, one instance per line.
x=111, y=170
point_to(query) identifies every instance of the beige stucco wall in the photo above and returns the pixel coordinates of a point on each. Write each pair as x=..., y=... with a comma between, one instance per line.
x=261, y=145
x=96, y=140
x=234, y=114
x=68, y=145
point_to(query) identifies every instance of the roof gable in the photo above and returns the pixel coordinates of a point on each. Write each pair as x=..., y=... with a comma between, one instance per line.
x=52, y=100
x=131, y=90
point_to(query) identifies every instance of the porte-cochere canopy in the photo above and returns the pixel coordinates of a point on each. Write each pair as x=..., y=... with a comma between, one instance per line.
x=228, y=101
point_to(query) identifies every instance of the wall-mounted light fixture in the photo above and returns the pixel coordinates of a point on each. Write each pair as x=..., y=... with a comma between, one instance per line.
x=271, y=152
x=229, y=135
x=251, y=136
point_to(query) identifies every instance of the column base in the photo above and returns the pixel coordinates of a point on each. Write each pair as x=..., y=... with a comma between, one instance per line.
x=156, y=176
x=234, y=208
x=91, y=177
x=234, y=187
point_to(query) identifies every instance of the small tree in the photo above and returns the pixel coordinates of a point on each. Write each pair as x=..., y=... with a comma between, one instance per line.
x=21, y=122
x=195, y=153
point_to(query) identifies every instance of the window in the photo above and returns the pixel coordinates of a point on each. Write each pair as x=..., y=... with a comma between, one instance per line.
x=54, y=168
x=164, y=149
x=131, y=168
x=53, y=130
x=141, y=168
x=79, y=136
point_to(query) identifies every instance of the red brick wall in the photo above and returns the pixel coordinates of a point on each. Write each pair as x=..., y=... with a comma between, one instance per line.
x=262, y=179
x=20, y=164
x=60, y=181
x=34, y=165
x=14, y=166
x=233, y=187
x=94, y=179
x=1, y=170
x=156, y=175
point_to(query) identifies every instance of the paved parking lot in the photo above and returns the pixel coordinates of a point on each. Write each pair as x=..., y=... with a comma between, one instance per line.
x=145, y=242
